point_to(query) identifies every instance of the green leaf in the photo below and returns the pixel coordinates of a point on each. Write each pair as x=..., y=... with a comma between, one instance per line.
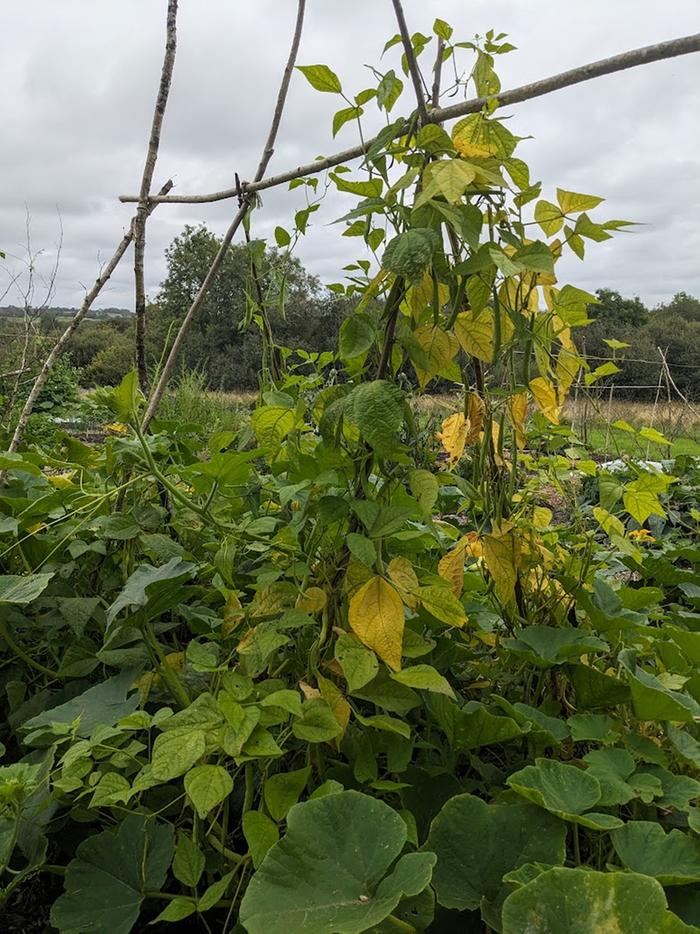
x=673, y=858
x=124, y=399
x=188, y=862
x=359, y=664
x=21, y=590
x=103, y=704
x=476, y=844
x=343, y=116
x=321, y=78
x=208, y=786
x=155, y=588
x=389, y=90
x=215, y=892
x=282, y=237
x=106, y=882
x=409, y=254
x=441, y=603
x=377, y=408
x=653, y=701
x=176, y=910
x=332, y=870
x=589, y=902
x=283, y=790
x=176, y=751
x=564, y=790
x=272, y=424
x=546, y=646
x=473, y=725
x=318, y=723
x=442, y=29
x=424, y=678
x=260, y=834
x=357, y=336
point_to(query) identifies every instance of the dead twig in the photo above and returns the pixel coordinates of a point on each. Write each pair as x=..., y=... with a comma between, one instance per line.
x=146, y=181
x=267, y=153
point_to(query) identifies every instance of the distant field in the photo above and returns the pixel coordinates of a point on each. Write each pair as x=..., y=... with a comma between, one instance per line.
x=679, y=423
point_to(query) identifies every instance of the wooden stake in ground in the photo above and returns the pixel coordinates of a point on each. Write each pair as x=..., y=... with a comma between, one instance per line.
x=267, y=152
x=146, y=181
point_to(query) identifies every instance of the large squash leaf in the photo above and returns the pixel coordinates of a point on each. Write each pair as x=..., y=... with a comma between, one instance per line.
x=106, y=882
x=330, y=872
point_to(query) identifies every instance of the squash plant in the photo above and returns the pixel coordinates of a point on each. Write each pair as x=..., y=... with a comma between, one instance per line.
x=343, y=670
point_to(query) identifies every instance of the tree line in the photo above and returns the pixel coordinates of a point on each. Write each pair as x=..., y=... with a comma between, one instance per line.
x=225, y=349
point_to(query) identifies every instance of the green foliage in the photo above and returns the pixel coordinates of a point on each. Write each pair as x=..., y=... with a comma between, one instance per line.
x=334, y=666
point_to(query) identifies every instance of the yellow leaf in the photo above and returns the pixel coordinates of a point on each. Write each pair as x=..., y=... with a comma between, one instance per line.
x=440, y=348
x=233, y=612
x=546, y=398
x=549, y=217
x=475, y=333
x=419, y=296
x=448, y=178
x=571, y=202
x=472, y=138
x=451, y=568
x=517, y=410
x=335, y=699
x=473, y=546
x=376, y=617
x=309, y=692
x=476, y=413
x=568, y=365
x=453, y=436
x=500, y=556
x=313, y=600
x=542, y=517
x=404, y=578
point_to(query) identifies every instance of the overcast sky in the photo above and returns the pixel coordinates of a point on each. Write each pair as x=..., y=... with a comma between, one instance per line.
x=78, y=81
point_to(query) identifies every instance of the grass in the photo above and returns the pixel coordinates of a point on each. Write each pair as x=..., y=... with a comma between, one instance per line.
x=592, y=422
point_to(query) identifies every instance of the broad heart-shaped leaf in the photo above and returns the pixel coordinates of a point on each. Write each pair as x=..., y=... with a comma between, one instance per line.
x=376, y=617
x=652, y=700
x=564, y=790
x=409, y=254
x=176, y=751
x=473, y=725
x=377, y=408
x=101, y=705
x=673, y=858
x=20, y=590
x=474, y=331
x=329, y=872
x=587, y=902
x=272, y=424
x=476, y=844
x=546, y=646
x=155, y=588
x=357, y=334
x=106, y=882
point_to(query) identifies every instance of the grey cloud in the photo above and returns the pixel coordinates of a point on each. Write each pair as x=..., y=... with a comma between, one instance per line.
x=79, y=80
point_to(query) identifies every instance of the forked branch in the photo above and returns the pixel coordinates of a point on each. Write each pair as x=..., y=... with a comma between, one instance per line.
x=267, y=152
x=565, y=79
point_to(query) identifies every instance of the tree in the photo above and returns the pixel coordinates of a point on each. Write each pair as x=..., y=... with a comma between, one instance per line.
x=302, y=312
